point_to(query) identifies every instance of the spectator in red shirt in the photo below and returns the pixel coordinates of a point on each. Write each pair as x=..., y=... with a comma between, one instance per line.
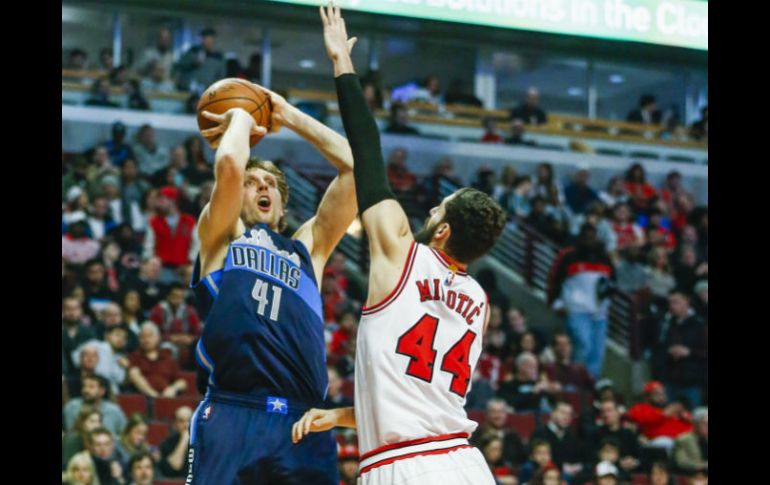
x=627, y=232
x=178, y=322
x=171, y=234
x=348, y=464
x=490, y=132
x=332, y=296
x=399, y=176
x=152, y=370
x=658, y=422
x=348, y=328
x=637, y=187
x=572, y=375
x=672, y=188
x=680, y=209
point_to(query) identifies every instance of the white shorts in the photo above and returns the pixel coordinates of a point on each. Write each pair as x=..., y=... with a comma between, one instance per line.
x=464, y=466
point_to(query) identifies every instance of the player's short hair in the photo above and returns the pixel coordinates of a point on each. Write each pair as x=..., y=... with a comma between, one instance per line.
x=283, y=187
x=476, y=221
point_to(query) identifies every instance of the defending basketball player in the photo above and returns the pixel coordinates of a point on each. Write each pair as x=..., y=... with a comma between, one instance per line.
x=263, y=345
x=420, y=333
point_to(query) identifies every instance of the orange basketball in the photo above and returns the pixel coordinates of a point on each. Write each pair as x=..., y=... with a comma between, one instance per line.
x=231, y=93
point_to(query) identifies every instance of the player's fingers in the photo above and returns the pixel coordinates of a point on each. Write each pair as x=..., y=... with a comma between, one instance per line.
x=308, y=420
x=294, y=434
x=321, y=424
x=324, y=18
x=209, y=132
x=213, y=117
x=337, y=12
x=259, y=130
x=351, y=42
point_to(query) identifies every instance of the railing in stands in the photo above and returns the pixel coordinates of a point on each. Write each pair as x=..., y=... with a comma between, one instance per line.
x=531, y=255
x=305, y=196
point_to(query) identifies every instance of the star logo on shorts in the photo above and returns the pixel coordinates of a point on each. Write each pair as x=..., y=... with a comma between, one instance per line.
x=277, y=405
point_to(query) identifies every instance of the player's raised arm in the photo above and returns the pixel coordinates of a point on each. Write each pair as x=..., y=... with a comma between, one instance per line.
x=221, y=216
x=338, y=206
x=383, y=218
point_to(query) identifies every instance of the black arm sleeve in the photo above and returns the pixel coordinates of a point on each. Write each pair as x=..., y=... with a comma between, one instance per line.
x=364, y=138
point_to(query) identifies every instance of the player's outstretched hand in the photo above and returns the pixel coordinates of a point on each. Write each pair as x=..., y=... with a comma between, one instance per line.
x=313, y=421
x=335, y=34
x=214, y=134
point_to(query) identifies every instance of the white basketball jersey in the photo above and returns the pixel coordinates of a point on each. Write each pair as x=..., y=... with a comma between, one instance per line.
x=415, y=355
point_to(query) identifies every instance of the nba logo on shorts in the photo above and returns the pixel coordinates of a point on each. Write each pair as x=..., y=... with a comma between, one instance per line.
x=206, y=412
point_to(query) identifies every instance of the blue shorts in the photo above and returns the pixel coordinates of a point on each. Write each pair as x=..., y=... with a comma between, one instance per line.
x=246, y=440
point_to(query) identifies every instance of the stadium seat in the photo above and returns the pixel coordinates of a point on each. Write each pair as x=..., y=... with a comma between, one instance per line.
x=574, y=399
x=348, y=388
x=192, y=387
x=523, y=424
x=639, y=479
x=168, y=481
x=157, y=432
x=132, y=403
x=478, y=416
x=165, y=407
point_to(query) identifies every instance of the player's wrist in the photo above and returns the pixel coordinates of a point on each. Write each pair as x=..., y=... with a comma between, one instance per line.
x=343, y=64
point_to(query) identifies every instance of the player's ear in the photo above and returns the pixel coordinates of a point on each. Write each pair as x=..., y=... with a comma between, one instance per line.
x=443, y=231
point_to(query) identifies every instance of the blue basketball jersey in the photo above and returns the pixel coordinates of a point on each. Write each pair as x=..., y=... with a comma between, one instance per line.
x=263, y=317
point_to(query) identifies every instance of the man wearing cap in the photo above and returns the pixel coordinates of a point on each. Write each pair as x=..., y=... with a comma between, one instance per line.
x=201, y=65
x=117, y=147
x=658, y=422
x=680, y=357
x=171, y=234
x=348, y=464
x=606, y=473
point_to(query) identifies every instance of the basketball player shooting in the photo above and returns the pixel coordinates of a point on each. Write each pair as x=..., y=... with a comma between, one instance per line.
x=263, y=343
x=420, y=333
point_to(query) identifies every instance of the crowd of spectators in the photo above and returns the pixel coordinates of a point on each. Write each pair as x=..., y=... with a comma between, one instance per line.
x=130, y=322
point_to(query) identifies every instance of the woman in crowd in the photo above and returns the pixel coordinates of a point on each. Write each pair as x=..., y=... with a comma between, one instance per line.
x=74, y=441
x=134, y=438
x=80, y=470
x=637, y=187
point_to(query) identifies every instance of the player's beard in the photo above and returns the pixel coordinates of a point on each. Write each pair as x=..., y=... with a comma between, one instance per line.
x=425, y=235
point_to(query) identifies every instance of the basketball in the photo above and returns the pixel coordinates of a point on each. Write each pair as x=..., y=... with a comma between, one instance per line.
x=231, y=93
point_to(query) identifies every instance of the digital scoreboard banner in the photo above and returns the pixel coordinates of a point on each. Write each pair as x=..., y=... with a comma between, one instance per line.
x=680, y=23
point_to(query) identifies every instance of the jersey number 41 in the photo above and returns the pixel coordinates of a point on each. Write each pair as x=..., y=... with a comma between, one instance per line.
x=260, y=294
